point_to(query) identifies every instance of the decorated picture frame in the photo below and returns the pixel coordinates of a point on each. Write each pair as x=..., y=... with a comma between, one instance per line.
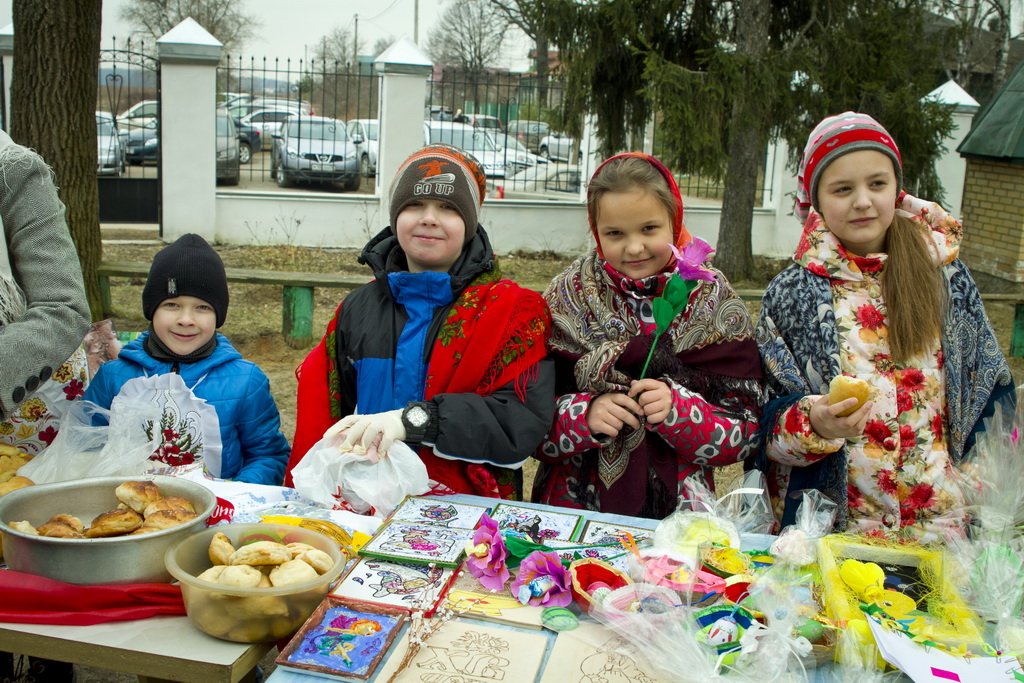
x=438, y=510
x=343, y=639
x=538, y=525
x=570, y=551
x=399, y=585
x=596, y=531
x=912, y=570
x=420, y=543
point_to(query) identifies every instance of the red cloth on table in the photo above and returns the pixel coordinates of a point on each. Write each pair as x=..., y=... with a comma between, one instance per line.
x=30, y=599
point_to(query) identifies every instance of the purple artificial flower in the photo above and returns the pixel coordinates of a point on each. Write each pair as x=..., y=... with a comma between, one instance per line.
x=690, y=262
x=542, y=580
x=485, y=556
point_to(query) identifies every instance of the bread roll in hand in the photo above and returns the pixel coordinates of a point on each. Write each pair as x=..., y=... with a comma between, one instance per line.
x=842, y=387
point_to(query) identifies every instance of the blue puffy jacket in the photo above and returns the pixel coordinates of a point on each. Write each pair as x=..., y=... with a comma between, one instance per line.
x=254, y=449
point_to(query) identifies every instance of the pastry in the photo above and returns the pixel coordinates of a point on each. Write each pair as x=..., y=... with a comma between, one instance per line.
x=165, y=519
x=24, y=527
x=317, y=559
x=241, y=575
x=114, y=523
x=14, y=483
x=221, y=549
x=70, y=520
x=169, y=503
x=261, y=552
x=212, y=574
x=292, y=571
x=842, y=387
x=137, y=494
x=59, y=530
x=299, y=548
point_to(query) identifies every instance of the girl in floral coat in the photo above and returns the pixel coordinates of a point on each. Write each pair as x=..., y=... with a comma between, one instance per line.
x=625, y=440
x=876, y=292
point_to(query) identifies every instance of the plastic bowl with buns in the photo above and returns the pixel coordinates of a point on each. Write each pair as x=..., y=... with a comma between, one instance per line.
x=250, y=614
x=132, y=558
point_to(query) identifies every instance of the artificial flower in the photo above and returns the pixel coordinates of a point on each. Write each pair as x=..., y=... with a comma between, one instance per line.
x=690, y=261
x=542, y=580
x=486, y=554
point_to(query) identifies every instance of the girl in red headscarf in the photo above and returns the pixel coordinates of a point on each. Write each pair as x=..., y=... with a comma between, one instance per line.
x=631, y=424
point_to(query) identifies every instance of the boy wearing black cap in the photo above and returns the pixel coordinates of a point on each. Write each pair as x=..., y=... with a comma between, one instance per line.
x=438, y=351
x=186, y=301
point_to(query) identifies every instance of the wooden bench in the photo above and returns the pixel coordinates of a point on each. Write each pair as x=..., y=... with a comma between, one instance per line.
x=297, y=293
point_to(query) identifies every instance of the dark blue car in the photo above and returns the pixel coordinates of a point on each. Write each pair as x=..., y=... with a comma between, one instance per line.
x=143, y=144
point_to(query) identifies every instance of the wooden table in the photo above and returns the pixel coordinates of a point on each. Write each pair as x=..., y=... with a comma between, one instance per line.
x=157, y=649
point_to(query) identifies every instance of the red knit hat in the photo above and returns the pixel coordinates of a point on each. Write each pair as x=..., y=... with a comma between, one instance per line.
x=679, y=231
x=832, y=138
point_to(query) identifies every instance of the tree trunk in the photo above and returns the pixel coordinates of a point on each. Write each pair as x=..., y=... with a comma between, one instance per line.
x=747, y=137
x=541, y=66
x=53, y=104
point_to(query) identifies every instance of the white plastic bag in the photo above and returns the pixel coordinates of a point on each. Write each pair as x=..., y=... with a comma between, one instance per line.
x=87, y=447
x=364, y=484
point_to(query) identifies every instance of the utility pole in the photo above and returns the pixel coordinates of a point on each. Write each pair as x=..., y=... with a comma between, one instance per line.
x=355, y=46
x=416, y=21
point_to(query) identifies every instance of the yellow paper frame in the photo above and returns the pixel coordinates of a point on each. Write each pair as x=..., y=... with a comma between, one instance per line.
x=950, y=621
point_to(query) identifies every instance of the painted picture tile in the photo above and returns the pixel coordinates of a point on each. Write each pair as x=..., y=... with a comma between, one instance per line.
x=603, y=532
x=342, y=639
x=421, y=543
x=401, y=585
x=466, y=650
x=594, y=653
x=438, y=510
x=538, y=525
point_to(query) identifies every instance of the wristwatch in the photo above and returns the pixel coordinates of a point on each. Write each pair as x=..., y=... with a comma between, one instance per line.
x=416, y=419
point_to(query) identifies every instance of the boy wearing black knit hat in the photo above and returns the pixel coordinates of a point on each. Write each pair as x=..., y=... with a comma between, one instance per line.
x=186, y=301
x=438, y=351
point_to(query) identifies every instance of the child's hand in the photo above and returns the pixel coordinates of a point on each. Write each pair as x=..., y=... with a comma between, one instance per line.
x=609, y=413
x=654, y=397
x=826, y=422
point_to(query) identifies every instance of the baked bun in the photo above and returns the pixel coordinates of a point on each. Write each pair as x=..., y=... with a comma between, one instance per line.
x=14, y=483
x=261, y=553
x=114, y=523
x=24, y=527
x=292, y=571
x=221, y=549
x=317, y=559
x=59, y=530
x=165, y=519
x=138, y=494
x=169, y=503
x=241, y=575
x=842, y=387
x=70, y=520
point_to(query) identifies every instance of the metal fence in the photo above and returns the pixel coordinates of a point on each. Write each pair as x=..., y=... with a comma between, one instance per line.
x=261, y=93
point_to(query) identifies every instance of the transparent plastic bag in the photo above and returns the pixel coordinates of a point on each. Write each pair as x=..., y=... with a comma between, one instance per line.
x=367, y=484
x=797, y=544
x=95, y=442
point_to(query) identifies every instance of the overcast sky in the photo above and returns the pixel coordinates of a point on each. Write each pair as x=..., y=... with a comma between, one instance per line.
x=287, y=27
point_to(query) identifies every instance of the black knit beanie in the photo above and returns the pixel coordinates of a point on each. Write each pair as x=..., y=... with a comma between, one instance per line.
x=187, y=267
x=444, y=173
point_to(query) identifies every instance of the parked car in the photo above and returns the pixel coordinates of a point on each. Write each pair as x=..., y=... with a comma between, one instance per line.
x=475, y=141
x=267, y=121
x=301, y=106
x=528, y=132
x=227, y=148
x=544, y=181
x=558, y=147
x=492, y=124
x=438, y=113
x=143, y=144
x=139, y=115
x=516, y=151
x=363, y=132
x=110, y=151
x=250, y=140
x=317, y=149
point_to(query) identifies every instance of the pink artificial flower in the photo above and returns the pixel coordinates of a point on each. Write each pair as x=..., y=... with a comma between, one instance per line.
x=542, y=580
x=485, y=556
x=690, y=262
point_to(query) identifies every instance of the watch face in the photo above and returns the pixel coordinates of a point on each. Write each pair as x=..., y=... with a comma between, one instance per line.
x=417, y=416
